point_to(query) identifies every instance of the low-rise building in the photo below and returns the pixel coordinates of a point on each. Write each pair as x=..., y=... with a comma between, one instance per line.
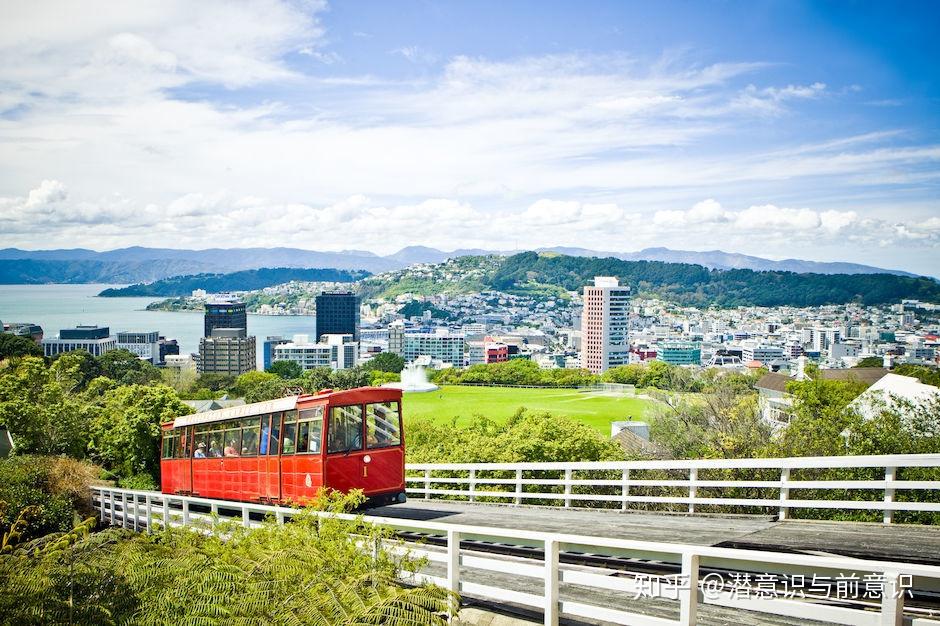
x=680, y=353
x=338, y=352
x=145, y=345
x=95, y=339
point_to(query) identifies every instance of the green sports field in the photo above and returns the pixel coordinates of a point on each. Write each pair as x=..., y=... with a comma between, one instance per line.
x=595, y=409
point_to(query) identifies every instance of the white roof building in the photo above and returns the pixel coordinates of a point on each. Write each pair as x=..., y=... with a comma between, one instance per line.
x=890, y=392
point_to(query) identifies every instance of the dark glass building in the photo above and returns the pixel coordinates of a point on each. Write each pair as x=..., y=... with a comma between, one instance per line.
x=338, y=314
x=225, y=315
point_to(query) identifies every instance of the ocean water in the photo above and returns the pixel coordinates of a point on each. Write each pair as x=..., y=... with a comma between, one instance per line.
x=62, y=306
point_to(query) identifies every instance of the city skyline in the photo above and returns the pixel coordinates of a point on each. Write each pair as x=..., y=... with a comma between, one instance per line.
x=781, y=130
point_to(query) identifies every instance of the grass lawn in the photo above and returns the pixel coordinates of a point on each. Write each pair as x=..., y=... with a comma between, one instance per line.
x=595, y=409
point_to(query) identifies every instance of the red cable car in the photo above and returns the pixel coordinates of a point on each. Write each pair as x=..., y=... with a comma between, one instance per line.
x=284, y=450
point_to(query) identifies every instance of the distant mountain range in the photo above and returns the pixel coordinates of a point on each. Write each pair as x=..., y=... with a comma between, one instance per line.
x=141, y=265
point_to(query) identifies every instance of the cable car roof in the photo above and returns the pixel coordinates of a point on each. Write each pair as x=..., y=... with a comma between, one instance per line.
x=351, y=396
x=236, y=412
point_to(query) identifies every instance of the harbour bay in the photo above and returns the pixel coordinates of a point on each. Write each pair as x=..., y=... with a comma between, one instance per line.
x=58, y=306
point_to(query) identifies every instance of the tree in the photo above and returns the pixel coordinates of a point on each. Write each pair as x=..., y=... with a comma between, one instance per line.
x=386, y=362
x=524, y=437
x=127, y=368
x=125, y=433
x=73, y=370
x=821, y=419
x=41, y=408
x=286, y=369
x=16, y=346
x=870, y=361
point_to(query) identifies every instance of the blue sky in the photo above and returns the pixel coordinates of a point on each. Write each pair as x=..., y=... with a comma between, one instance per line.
x=780, y=129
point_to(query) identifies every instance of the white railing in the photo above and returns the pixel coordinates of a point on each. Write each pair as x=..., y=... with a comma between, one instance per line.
x=544, y=583
x=592, y=484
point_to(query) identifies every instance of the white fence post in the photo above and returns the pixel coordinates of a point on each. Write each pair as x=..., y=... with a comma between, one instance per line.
x=688, y=594
x=246, y=519
x=185, y=512
x=427, y=484
x=136, y=512
x=473, y=485
x=453, y=561
x=166, y=512
x=149, y=505
x=626, y=489
x=892, y=601
x=101, y=502
x=113, y=519
x=693, y=488
x=568, y=474
x=551, y=582
x=213, y=514
x=123, y=509
x=891, y=474
x=784, y=493
x=518, y=486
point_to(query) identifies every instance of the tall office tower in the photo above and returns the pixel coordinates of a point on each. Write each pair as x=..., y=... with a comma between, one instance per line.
x=604, y=325
x=338, y=314
x=225, y=314
x=228, y=351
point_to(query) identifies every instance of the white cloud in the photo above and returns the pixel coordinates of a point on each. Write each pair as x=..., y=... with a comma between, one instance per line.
x=143, y=111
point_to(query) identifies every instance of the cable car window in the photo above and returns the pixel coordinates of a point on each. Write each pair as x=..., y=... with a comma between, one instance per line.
x=182, y=447
x=290, y=438
x=201, y=442
x=289, y=443
x=250, y=429
x=382, y=425
x=275, y=436
x=232, y=439
x=345, y=429
x=215, y=440
x=169, y=444
x=310, y=431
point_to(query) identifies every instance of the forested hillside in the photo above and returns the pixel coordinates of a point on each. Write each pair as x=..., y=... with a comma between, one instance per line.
x=236, y=281
x=698, y=286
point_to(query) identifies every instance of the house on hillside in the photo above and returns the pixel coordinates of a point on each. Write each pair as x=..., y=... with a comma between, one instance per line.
x=776, y=405
x=893, y=391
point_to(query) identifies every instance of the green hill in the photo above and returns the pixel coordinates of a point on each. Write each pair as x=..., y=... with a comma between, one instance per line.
x=235, y=281
x=695, y=285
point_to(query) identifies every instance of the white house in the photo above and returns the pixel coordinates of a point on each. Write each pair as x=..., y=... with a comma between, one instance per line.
x=890, y=392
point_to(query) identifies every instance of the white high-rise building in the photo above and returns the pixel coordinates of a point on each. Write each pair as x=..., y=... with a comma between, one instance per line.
x=605, y=340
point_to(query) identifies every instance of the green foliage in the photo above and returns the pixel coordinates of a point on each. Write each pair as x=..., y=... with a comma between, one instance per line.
x=821, y=417
x=125, y=433
x=722, y=423
x=242, y=281
x=125, y=367
x=380, y=378
x=307, y=572
x=416, y=308
x=514, y=372
x=54, y=489
x=16, y=346
x=73, y=370
x=386, y=362
x=926, y=375
x=697, y=286
x=525, y=437
x=286, y=369
x=870, y=361
x=41, y=406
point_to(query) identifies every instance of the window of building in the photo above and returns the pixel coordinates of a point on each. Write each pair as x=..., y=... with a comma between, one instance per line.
x=383, y=427
x=345, y=429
